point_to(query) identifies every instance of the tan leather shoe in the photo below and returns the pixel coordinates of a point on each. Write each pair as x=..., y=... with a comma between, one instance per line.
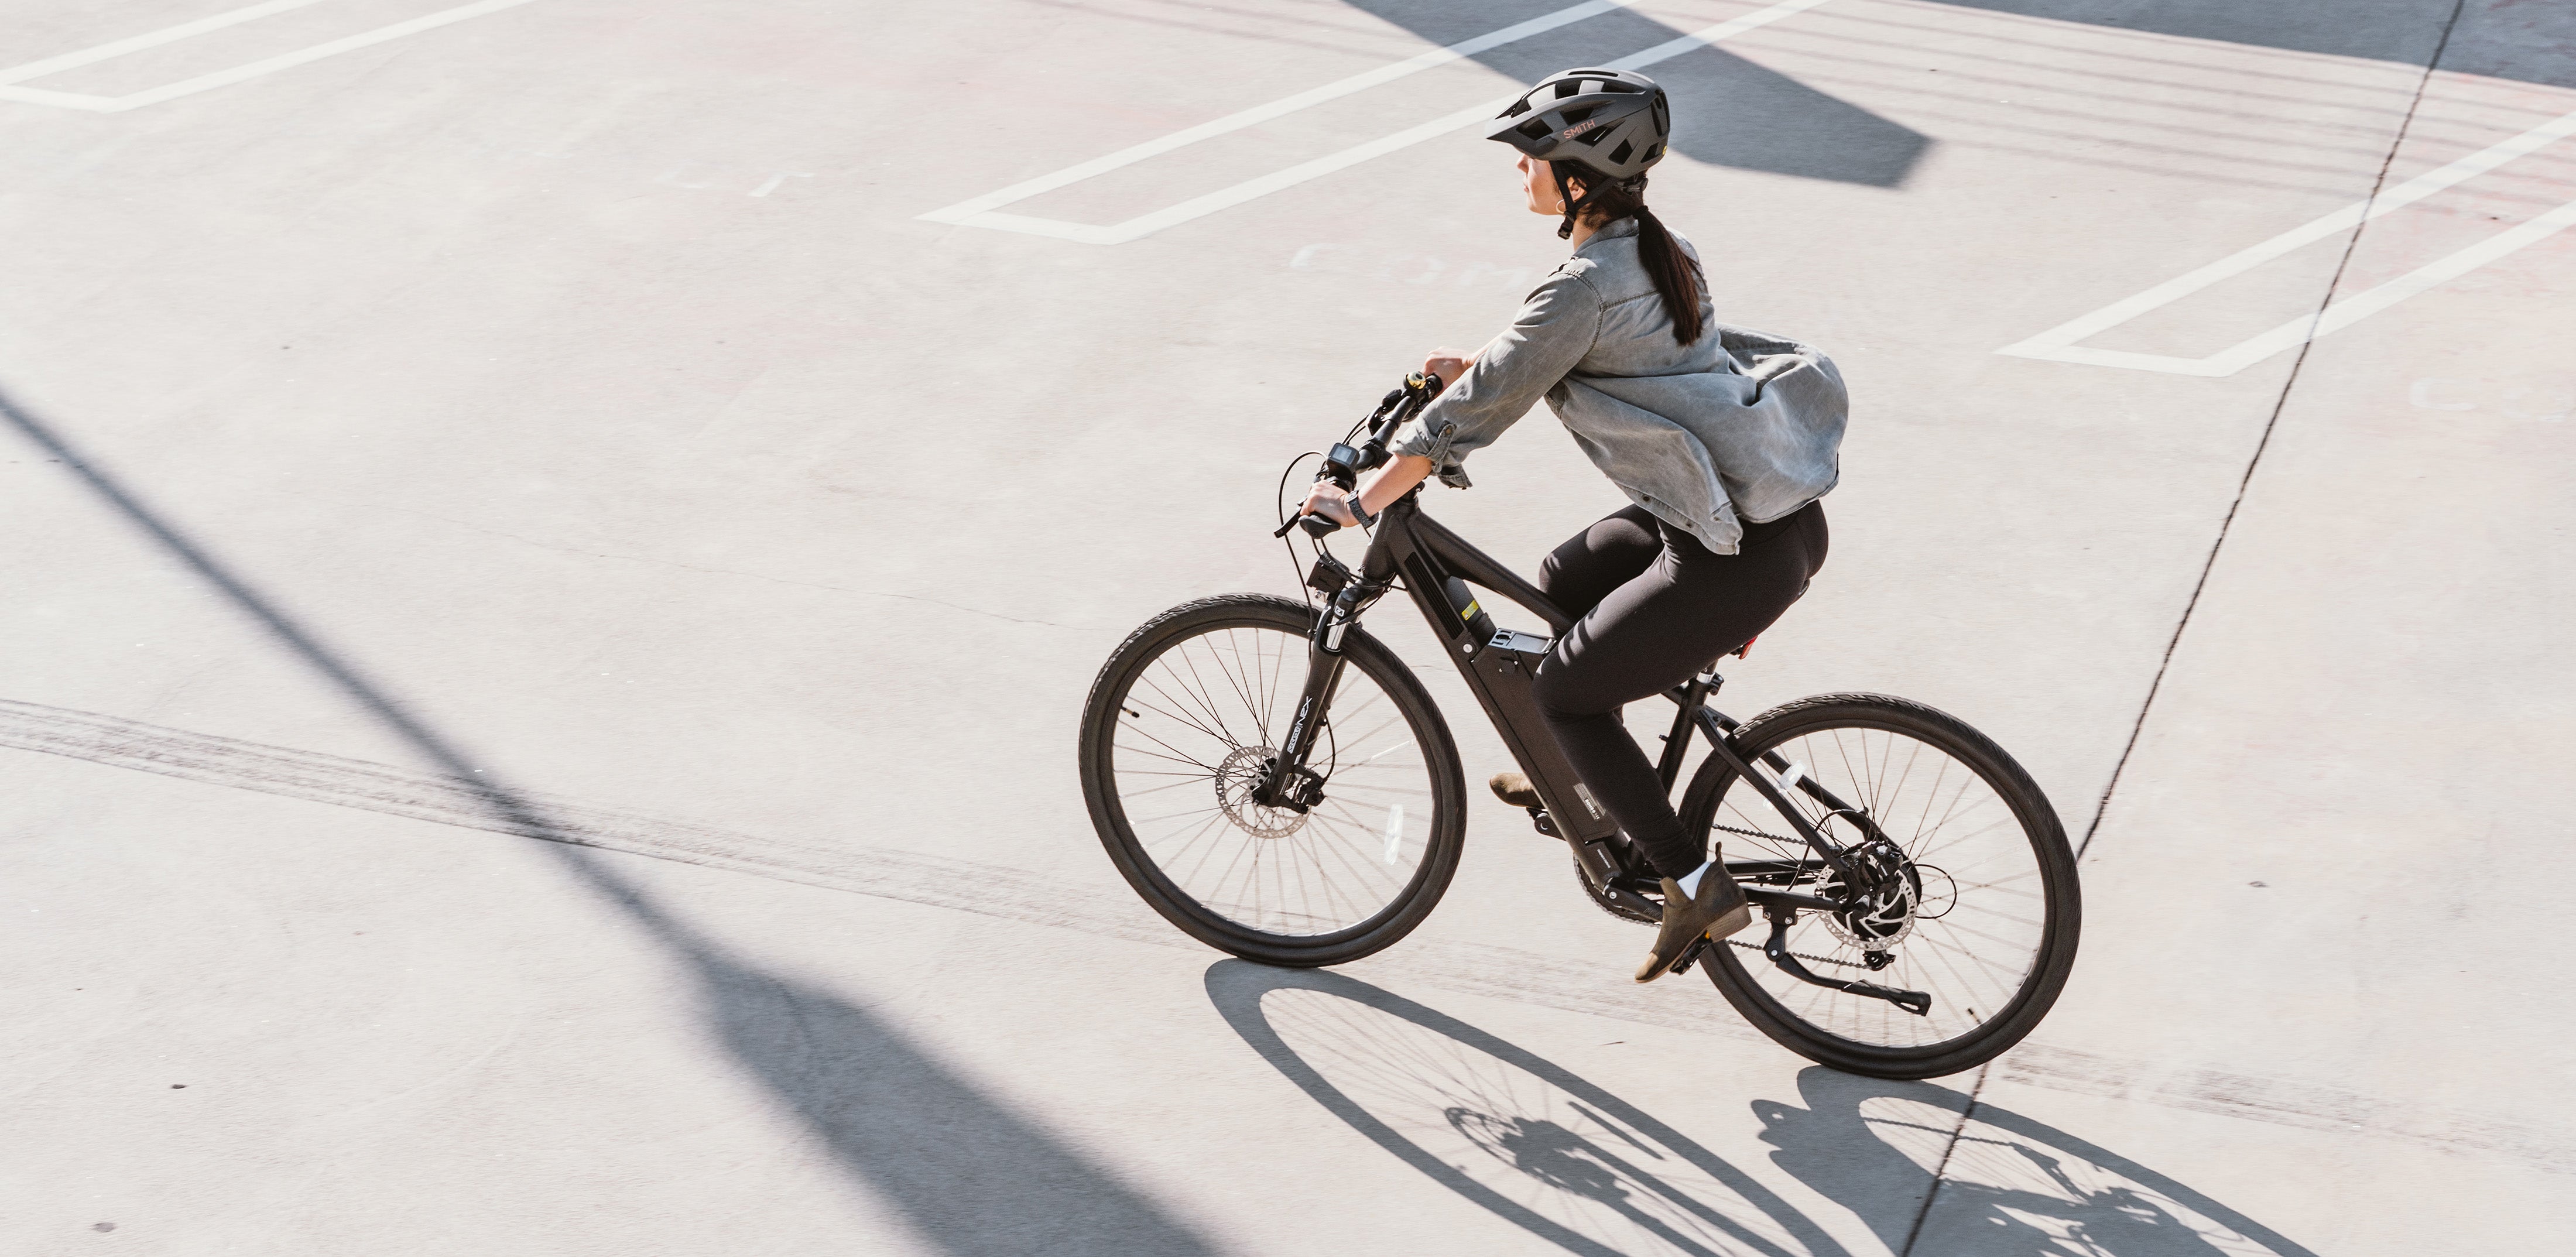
x=1514, y=788
x=1719, y=909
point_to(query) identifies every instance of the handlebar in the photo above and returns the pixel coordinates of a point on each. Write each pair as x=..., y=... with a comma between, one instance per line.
x=1343, y=464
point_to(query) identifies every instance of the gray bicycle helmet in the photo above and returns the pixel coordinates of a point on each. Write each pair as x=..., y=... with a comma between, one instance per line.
x=1615, y=121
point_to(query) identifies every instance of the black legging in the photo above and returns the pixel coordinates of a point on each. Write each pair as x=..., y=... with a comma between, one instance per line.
x=1655, y=606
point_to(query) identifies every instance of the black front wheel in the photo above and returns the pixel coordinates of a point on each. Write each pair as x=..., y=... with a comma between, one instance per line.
x=1181, y=726
x=1976, y=907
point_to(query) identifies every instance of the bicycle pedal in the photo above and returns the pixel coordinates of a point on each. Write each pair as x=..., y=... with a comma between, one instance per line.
x=1691, y=954
x=1545, y=824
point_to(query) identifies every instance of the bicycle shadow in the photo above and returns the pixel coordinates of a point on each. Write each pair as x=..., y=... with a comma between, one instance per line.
x=2007, y=1184
x=1577, y=1166
x=1527, y=1139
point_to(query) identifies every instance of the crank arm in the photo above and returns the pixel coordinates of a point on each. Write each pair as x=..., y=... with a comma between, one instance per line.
x=1777, y=948
x=1796, y=871
x=1770, y=899
x=1599, y=870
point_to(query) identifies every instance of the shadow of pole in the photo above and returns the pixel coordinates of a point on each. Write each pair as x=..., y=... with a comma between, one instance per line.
x=974, y=1178
x=2529, y=46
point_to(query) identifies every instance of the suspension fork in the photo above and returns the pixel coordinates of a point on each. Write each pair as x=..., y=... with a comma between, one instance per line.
x=1288, y=781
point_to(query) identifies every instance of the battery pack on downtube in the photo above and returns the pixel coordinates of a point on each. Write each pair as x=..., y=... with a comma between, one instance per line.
x=1502, y=674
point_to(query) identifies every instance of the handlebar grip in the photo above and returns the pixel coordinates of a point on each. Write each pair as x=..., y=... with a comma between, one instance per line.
x=1316, y=526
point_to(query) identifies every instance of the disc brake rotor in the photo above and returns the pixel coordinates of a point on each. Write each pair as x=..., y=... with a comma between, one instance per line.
x=1881, y=921
x=1236, y=779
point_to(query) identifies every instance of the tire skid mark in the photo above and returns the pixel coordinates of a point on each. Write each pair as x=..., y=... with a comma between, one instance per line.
x=448, y=800
x=1587, y=988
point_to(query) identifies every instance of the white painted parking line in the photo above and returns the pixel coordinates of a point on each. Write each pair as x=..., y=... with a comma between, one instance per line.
x=983, y=212
x=167, y=34
x=1281, y=107
x=2059, y=344
x=220, y=78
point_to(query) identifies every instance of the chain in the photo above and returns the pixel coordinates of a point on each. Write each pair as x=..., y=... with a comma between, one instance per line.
x=1822, y=960
x=1754, y=833
x=1737, y=942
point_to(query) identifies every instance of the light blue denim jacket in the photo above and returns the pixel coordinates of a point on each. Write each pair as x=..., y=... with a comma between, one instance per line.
x=1734, y=427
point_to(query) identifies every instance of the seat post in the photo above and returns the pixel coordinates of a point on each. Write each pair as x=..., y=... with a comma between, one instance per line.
x=1677, y=742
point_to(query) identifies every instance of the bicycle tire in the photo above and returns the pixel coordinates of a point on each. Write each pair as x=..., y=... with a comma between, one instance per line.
x=1444, y=781
x=2052, y=956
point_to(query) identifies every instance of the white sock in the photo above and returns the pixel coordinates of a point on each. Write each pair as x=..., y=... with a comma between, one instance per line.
x=1690, y=884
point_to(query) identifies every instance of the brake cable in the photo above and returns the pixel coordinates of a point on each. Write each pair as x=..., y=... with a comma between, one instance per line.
x=1280, y=502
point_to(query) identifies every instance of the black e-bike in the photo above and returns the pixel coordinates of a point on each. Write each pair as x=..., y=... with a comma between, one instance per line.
x=1279, y=785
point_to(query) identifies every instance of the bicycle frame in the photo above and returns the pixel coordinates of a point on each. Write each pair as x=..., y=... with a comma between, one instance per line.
x=1410, y=548
x=1500, y=668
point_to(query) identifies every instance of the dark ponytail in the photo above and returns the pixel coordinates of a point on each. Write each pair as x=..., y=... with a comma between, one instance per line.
x=1677, y=277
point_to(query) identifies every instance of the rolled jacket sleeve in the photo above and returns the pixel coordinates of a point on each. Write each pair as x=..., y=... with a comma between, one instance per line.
x=1553, y=331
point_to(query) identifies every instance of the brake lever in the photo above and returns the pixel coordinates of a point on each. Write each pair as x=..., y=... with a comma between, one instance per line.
x=1343, y=464
x=1329, y=527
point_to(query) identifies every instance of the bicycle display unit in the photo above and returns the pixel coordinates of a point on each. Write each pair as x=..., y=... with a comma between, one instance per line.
x=1276, y=783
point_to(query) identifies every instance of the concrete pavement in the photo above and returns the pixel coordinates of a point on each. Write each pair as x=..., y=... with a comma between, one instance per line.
x=568, y=398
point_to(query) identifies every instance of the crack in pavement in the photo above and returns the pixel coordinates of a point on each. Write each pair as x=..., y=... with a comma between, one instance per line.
x=2244, y=483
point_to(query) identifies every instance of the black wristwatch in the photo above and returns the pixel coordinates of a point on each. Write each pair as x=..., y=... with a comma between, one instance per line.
x=1351, y=502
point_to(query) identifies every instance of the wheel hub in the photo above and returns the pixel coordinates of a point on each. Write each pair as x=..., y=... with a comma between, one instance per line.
x=1236, y=779
x=1879, y=921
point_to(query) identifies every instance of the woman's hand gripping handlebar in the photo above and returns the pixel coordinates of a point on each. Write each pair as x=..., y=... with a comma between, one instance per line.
x=1327, y=511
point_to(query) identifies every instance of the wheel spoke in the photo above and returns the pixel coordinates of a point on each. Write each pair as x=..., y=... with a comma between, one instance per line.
x=1943, y=812
x=1276, y=871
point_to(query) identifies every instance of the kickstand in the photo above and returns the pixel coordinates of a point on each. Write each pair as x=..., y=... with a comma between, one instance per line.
x=1777, y=948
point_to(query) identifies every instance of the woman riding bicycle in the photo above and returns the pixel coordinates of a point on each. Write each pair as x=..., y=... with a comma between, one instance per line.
x=1723, y=440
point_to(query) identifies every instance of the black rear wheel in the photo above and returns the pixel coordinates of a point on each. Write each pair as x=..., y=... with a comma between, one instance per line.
x=1181, y=725
x=1981, y=912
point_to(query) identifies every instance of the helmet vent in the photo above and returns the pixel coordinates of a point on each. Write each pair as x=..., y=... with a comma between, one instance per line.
x=1620, y=118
